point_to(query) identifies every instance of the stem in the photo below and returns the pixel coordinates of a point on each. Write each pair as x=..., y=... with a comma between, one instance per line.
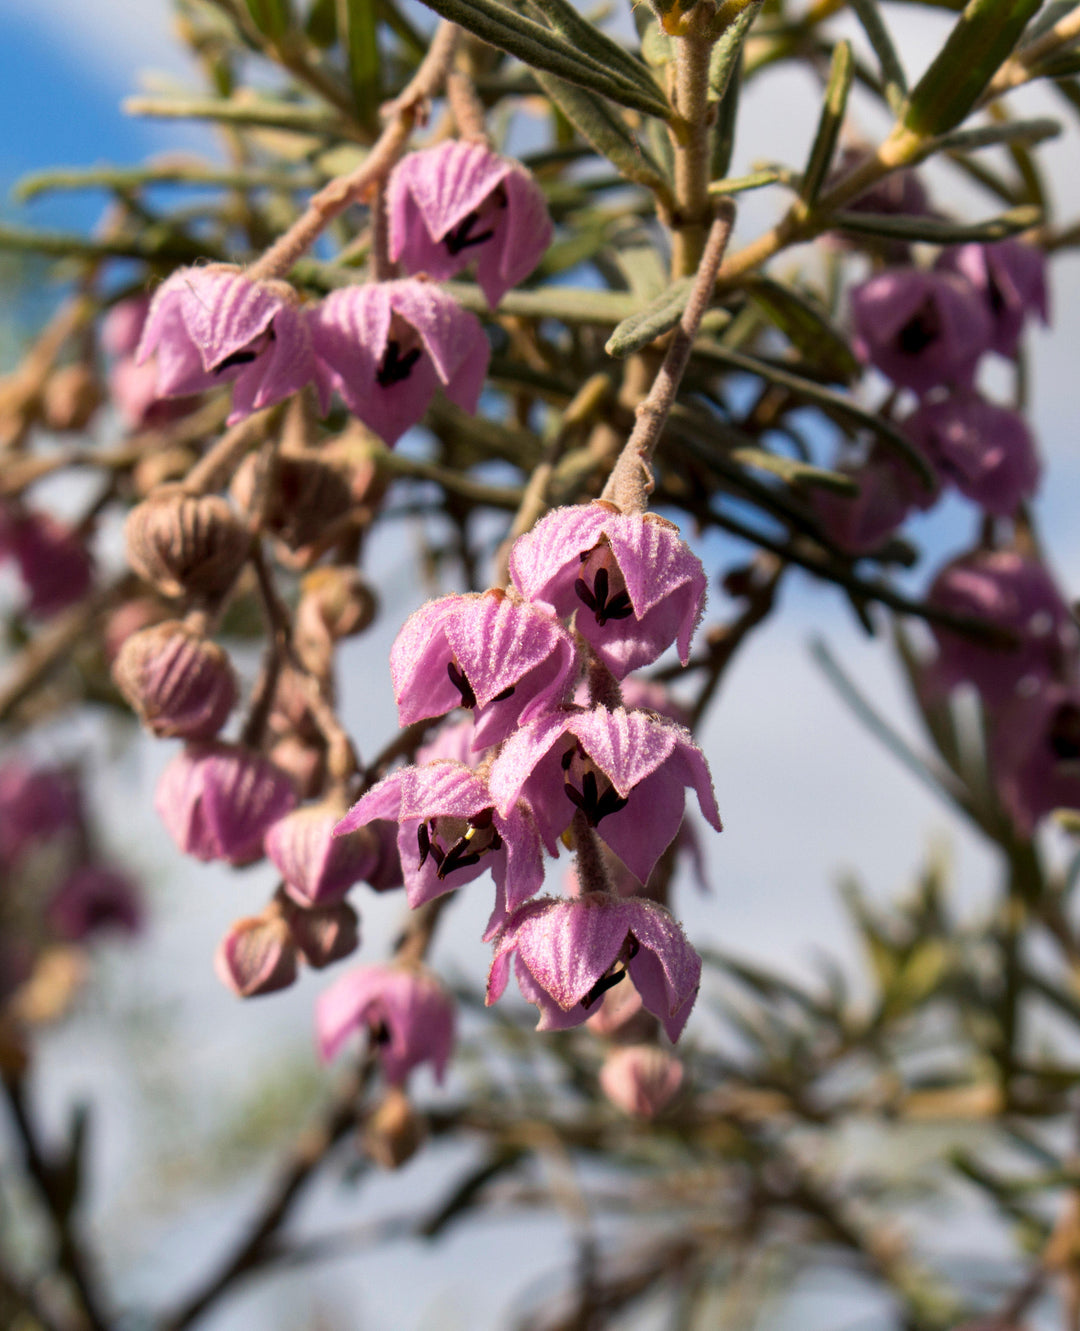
x=340, y=194
x=689, y=129
x=631, y=480
x=466, y=107
x=213, y=470
x=591, y=869
x=1017, y=69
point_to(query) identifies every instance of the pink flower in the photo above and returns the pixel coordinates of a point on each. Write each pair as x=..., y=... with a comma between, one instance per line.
x=318, y=867
x=640, y=1079
x=453, y=740
x=54, y=563
x=626, y=771
x=568, y=953
x=122, y=327
x=36, y=804
x=987, y=452
x=450, y=833
x=217, y=801
x=1016, y=594
x=257, y=956
x=889, y=490
x=460, y=201
x=506, y=660
x=920, y=329
x=213, y=325
x=94, y=899
x=636, y=585
x=1010, y=275
x=1035, y=755
x=387, y=346
x=408, y=1013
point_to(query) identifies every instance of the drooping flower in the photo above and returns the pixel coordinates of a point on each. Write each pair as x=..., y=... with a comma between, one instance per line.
x=212, y=325
x=316, y=866
x=180, y=683
x=568, y=953
x=1035, y=754
x=54, y=564
x=986, y=451
x=640, y=1079
x=1010, y=275
x=257, y=956
x=921, y=329
x=218, y=800
x=36, y=804
x=889, y=490
x=625, y=771
x=323, y=934
x=636, y=585
x=94, y=899
x=386, y=347
x=450, y=832
x=1018, y=595
x=457, y=202
x=408, y=1013
x=507, y=660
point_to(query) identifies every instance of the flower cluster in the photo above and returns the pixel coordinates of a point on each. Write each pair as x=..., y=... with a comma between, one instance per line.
x=594, y=593
x=383, y=347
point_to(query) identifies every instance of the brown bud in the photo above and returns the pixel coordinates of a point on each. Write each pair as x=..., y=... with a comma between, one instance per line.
x=323, y=934
x=394, y=1132
x=186, y=544
x=178, y=682
x=335, y=602
x=295, y=497
x=71, y=397
x=256, y=956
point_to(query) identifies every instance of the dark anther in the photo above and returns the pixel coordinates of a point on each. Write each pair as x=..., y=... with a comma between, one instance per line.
x=601, y=987
x=1065, y=733
x=920, y=330
x=506, y=693
x=245, y=356
x=424, y=842
x=380, y=1033
x=568, y=758
x=394, y=367
x=618, y=607
x=461, y=683
x=461, y=237
x=591, y=803
x=459, y=856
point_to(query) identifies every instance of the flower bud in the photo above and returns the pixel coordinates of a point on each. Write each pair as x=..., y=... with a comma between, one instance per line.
x=95, y=899
x=256, y=956
x=324, y=934
x=72, y=395
x=335, y=602
x=641, y=1079
x=318, y=867
x=394, y=1132
x=179, y=683
x=296, y=498
x=186, y=544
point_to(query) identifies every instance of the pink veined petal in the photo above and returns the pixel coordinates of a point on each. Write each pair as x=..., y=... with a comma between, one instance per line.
x=521, y=874
x=498, y=973
x=381, y=801
x=411, y=244
x=657, y=565
x=660, y=936
x=641, y=832
x=343, y=1008
x=572, y=944
x=626, y=746
x=498, y=641
x=349, y=332
x=552, y=1016
x=467, y=381
x=162, y=315
x=389, y=412
x=442, y=788
x=419, y=1017
x=179, y=366
x=418, y=658
x=288, y=364
x=544, y=562
x=523, y=235
x=692, y=769
x=446, y=330
x=225, y=312
x=446, y=183
x=651, y=983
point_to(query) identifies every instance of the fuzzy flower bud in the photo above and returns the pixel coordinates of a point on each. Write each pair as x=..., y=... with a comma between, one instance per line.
x=317, y=867
x=296, y=501
x=94, y=899
x=178, y=682
x=186, y=545
x=324, y=934
x=256, y=956
x=640, y=1079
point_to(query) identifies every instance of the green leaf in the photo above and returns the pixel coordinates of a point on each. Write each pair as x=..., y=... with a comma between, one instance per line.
x=657, y=318
x=981, y=41
x=989, y=136
x=272, y=17
x=740, y=184
x=794, y=472
x=358, y=22
x=892, y=72
x=841, y=73
x=807, y=326
x=541, y=48
x=605, y=129
x=935, y=232
x=725, y=78
x=834, y=404
x=320, y=26
x=725, y=54
x=588, y=38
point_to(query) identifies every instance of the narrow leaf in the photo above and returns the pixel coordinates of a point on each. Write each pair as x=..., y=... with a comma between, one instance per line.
x=320, y=26
x=936, y=232
x=989, y=136
x=726, y=52
x=604, y=129
x=981, y=41
x=271, y=17
x=587, y=37
x=740, y=184
x=892, y=72
x=657, y=318
x=725, y=79
x=541, y=48
x=805, y=324
x=359, y=24
x=832, y=115
x=794, y=472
